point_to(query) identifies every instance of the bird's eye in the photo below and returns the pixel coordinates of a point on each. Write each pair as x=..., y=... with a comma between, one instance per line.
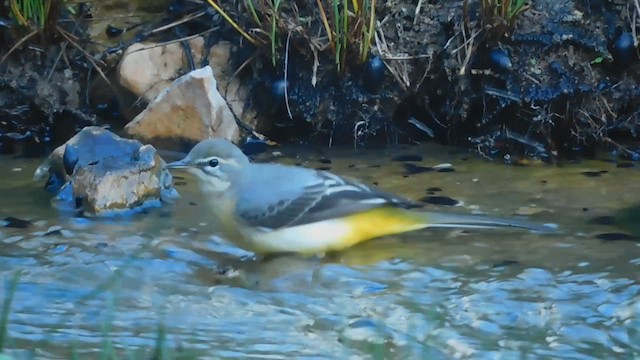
x=213, y=162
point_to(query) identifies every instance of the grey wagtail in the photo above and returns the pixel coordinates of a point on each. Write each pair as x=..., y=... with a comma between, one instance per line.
x=271, y=208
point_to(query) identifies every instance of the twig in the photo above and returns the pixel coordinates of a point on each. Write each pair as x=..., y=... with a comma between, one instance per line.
x=316, y=64
x=325, y=22
x=183, y=20
x=233, y=23
x=20, y=42
x=87, y=55
x=417, y=13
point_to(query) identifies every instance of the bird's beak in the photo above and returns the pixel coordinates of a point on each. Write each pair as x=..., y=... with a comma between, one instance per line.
x=180, y=164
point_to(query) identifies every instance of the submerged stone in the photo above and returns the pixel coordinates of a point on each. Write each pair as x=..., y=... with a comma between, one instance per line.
x=440, y=200
x=594, y=173
x=413, y=169
x=505, y=263
x=409, y=157
x=615, y=237
x=113, y=31
x=13, y=222
x=603, y=220
x=101, y=172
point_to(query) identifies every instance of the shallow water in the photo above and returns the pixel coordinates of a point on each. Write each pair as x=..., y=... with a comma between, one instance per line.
x=436, y=294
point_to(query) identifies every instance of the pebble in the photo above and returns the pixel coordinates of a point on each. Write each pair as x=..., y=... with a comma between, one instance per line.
x=594, y=173
x=615, y=237
x=413, y=169
x=440, y=200
x=407, y=157
x=603, y=220
x=16, y=223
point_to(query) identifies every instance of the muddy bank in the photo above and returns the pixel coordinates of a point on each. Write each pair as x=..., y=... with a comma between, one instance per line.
x=559, y=82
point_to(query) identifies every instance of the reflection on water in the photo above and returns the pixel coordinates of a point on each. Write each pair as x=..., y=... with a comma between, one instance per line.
x=434, y=294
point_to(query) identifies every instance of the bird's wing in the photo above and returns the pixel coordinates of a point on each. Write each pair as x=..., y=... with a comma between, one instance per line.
x=277, y=196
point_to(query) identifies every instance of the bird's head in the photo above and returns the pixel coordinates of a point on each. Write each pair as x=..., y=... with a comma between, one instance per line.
x=214, y=162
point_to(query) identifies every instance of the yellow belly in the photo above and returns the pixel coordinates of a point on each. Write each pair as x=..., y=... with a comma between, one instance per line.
x=336, y=234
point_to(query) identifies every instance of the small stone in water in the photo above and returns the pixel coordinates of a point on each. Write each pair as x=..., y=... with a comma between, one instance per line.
x=442, y=166
x=440, y=200
x=594, y=173
x=363, y=329
x=529, y=210
x=505, y=263
x=254, y=146
x=446, y=170
x=434, y=189
x=54, y=230
x=113, y=31
x=415, y=169
x=615, y=237
x=407, y=157
x=324, y=161
x=323, y=168
x=625, y=165
x=13, y=222
x=603, y=220
x=59, y=248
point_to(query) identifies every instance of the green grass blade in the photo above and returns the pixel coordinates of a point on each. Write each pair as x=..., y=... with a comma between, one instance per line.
x=159, y=352
x=6, y=308
x=252, y=10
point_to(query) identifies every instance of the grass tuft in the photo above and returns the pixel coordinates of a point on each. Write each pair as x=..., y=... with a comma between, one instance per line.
x=499, y=16
x=343, y=27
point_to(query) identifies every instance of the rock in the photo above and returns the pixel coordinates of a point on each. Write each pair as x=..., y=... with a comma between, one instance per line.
x=190, y=109
x=146, y=69
x=110, y=173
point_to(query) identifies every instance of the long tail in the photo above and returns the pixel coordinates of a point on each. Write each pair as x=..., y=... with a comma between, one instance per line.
x=434, y=219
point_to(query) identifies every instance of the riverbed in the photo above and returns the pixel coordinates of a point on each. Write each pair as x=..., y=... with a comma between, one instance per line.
x=87, y=285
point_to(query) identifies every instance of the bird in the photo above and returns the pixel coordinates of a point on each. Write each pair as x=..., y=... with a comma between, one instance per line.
x=269, y=208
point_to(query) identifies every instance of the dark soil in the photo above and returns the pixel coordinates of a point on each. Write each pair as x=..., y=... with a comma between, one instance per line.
x=42, y=86
x=568, y=89
x=560, y=85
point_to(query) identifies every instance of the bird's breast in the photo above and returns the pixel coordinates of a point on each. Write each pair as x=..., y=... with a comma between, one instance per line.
x=338, y=233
